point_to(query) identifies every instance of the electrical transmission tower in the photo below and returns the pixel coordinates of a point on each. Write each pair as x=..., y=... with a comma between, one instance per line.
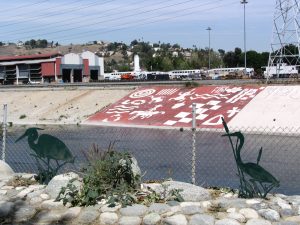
x=285, y=39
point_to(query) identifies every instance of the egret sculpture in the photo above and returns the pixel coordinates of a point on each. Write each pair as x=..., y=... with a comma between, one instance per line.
x=256, y=173
x=47, y=147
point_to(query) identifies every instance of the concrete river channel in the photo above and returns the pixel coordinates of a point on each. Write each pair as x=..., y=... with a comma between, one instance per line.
x=167, y=153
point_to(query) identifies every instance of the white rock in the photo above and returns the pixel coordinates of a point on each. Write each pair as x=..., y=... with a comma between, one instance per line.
x=258, y=222
x=71, y=213
x=249, y=213
x=51, y=204
x=3, y=192
x=227, y=222
x=20, y=188
x=130, y=220
x=45, y=196
x=151, y=219
x=237, y=216
x=6, y=171
x=108, y=218
x=7, y=187
x=253, y=201
x=134, y=210
x=36, y=201
x=270, y=214
x=5, y=208
x=159, y=208
x=202, y=219
x=206, y=204
x=59, y=181
x=231, y=210
x=175, y=220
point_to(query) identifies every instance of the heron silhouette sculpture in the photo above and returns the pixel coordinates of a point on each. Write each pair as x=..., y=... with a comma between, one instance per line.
x=256, y=173
x=47, y=147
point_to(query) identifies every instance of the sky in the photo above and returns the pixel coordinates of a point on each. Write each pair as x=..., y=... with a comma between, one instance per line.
x=169, y=21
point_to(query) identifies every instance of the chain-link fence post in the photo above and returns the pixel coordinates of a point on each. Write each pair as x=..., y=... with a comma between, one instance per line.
x=194, y=144
x=4, y=126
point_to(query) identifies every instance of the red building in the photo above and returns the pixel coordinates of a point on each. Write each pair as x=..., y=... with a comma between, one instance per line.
x=51, y=67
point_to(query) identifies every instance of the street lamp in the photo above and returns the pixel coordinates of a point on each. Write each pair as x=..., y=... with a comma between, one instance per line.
x=209, y=29
x=244, y=2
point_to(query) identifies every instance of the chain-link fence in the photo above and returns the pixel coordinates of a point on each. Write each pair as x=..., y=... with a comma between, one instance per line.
x=167, y=153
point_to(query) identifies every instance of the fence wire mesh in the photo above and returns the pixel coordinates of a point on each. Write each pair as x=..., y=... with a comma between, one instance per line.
x=167, y=153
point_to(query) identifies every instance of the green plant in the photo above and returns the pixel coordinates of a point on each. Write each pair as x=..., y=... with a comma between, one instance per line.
x=109, y=175
x=23, y=116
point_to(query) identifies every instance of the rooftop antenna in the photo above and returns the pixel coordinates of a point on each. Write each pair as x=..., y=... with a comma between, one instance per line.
x=286, y=34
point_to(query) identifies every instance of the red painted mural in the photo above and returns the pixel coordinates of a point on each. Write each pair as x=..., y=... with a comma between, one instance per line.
x=172, y=106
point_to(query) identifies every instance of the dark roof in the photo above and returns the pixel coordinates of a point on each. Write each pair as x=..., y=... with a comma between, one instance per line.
x=24, y=57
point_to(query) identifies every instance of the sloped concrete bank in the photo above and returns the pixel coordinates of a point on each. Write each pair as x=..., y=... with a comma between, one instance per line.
x=34, y=204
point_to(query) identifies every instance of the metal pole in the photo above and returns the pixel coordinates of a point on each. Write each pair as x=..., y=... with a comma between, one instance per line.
x=4, y=131
x=244, y=2
x=194, y=144
x=209, y=29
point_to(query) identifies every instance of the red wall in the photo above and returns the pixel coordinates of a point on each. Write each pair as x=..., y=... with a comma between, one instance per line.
x=86, y=70
x=48, y=69
x=58, y=63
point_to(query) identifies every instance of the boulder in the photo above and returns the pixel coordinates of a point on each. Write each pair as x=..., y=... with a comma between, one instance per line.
x=190, y=192
x=6, y=171
x=59, y=181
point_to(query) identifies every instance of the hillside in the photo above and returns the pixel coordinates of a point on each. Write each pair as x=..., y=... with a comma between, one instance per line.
x=57, y=106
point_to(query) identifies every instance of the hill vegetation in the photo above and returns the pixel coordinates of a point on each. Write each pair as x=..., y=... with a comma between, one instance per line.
x=153, y=57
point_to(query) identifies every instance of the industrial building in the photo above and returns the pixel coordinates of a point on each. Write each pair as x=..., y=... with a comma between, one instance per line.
x=51, y=67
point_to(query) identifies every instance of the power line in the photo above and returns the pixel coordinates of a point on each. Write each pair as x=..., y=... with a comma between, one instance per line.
x=156, y=21
x=57, y=13
x=20, y=31
x=118, y=18
x=24, y=6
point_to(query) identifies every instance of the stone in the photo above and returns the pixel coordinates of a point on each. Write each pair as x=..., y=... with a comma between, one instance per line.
x=269, y=214
x=286, y=212
x=230, y=203
x=45, y=196
x=130, y=220
x=159, y=208
x=7, y=187
x=88, y=215
x=253, y=201
x=3, y=192
x=175, y=220
x=134, y=210
x=191, y=209
x=202, y=219
x=5, y=208
x=227, y=222
x=35, y=194
x=151, y=219
x=48, y=216
x=36, y=201
x=237, y=216
x=190, y=192
x=258, y=222
x=293, y=219
x=6, y=172
x=108, y=218
x=51, y=204
x=59, y=181
x=71, y=213
x=24, y=213
x=249, y=213
x=287, y=223
x=231, y=210
x=20, y=188
x=206, y=204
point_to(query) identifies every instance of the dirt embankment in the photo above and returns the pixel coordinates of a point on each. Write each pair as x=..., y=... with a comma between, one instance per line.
x=56, y=106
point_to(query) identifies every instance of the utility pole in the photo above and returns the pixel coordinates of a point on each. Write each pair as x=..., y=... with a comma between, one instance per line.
x=208, y=29
x=244, y=2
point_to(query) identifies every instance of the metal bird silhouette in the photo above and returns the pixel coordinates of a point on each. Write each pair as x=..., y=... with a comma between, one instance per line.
x=257, y=174
x=47, y=146
x=255, y=171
